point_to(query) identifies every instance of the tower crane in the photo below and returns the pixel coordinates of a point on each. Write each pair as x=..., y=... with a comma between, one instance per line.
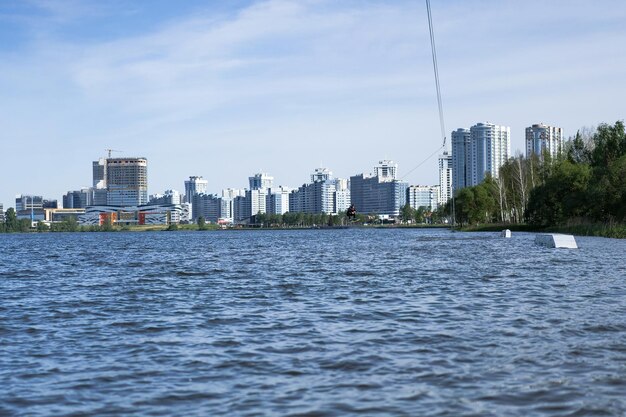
x=112, y=150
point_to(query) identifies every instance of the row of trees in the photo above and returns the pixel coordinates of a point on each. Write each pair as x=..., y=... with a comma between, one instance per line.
x=13, y=224
x=587, y=183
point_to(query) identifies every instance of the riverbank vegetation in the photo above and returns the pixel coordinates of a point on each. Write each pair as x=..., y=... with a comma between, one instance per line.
x=583, y=191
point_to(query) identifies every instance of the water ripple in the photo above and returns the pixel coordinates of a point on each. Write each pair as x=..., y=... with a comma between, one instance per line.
x=311, y=323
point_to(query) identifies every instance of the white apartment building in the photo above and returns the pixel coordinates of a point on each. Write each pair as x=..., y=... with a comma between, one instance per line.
x=445, y=178
x=261, y=181
x=423, y=196
x=278, y=200
x=195, y=185
x=490, y=149
x=542, y=138
x=386, y=170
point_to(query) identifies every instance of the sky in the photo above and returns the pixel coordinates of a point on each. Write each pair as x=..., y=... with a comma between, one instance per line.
x=225, y=89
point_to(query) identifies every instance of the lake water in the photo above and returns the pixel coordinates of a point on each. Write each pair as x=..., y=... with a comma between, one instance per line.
x=311, y=323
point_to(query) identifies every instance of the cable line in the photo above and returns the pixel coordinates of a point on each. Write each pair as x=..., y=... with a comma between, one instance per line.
x=436, y=70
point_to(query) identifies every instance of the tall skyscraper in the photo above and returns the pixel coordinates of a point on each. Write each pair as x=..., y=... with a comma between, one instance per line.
x=445, y=178
x=127, y=181
x=195, y=185
x=480, y=151
x=99, y=173
x=540, y=138
x=1, y=213
x=261, y=181
x=490, y=149
x=461, y=149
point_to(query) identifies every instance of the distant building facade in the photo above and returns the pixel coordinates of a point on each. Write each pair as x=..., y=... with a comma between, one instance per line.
x=482, y=153
x=461, y=157
x=445, y=178
x=207, y=206
x=78, y=199
x=324, y=194
x=426, y=196
x=542, y=139
x=168, y=197
x=261, y=181
x=278, y=200
x=156, y=214
x=381, y=193
x=99, y=175
x=1, y=213
x=33, y=207
x=195, y=185
x=127, y=181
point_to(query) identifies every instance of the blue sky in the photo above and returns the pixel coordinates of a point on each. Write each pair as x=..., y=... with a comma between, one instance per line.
x=225, y=89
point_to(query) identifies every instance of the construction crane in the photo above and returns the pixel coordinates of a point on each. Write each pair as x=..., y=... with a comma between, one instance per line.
x=112, y=150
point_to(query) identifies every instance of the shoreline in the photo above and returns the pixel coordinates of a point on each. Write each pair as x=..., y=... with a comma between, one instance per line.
x=617, y=231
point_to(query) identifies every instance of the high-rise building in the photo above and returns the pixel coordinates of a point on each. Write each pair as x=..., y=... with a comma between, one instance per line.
x=445, y=178
x=342, y=195
x=386, y=170
x=207, y=206
x=78, y=199
x=168, y=197
x=321, y=174
x=278, y=200
x=315, y=198
x=99, y=173
x=127, y=181
x=461, y=150
x=195, y=185
x=378, y=194
x=541, y=138
x=486, y=149
x=256, y=201
x=261, y=181
x=228, y=202
x=490, y=149
x=324, y=194
x=1, y=213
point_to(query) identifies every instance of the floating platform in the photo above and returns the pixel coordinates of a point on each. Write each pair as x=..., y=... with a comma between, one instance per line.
x=556, y=240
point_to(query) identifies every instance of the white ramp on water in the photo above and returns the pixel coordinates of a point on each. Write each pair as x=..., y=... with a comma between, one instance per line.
x=556, y=240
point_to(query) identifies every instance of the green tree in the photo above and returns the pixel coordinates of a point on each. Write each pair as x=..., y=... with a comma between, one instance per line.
x=201, y=223
x=407, y=213
x=419, y=215
x=10, y=220
x=562, y=197
x=42, y=227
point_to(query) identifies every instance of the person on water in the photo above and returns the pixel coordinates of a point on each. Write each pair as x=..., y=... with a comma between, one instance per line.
x=351, y=213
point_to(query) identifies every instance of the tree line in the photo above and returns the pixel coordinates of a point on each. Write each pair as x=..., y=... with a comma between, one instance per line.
x=586, y=183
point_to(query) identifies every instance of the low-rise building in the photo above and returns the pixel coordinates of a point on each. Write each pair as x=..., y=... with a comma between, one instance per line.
x=156, y=214
x=423, y=196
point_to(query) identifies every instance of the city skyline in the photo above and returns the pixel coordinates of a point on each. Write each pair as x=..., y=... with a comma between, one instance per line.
x=217, y=91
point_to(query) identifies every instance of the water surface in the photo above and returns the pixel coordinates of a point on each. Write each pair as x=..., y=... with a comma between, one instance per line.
x=311, y=323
